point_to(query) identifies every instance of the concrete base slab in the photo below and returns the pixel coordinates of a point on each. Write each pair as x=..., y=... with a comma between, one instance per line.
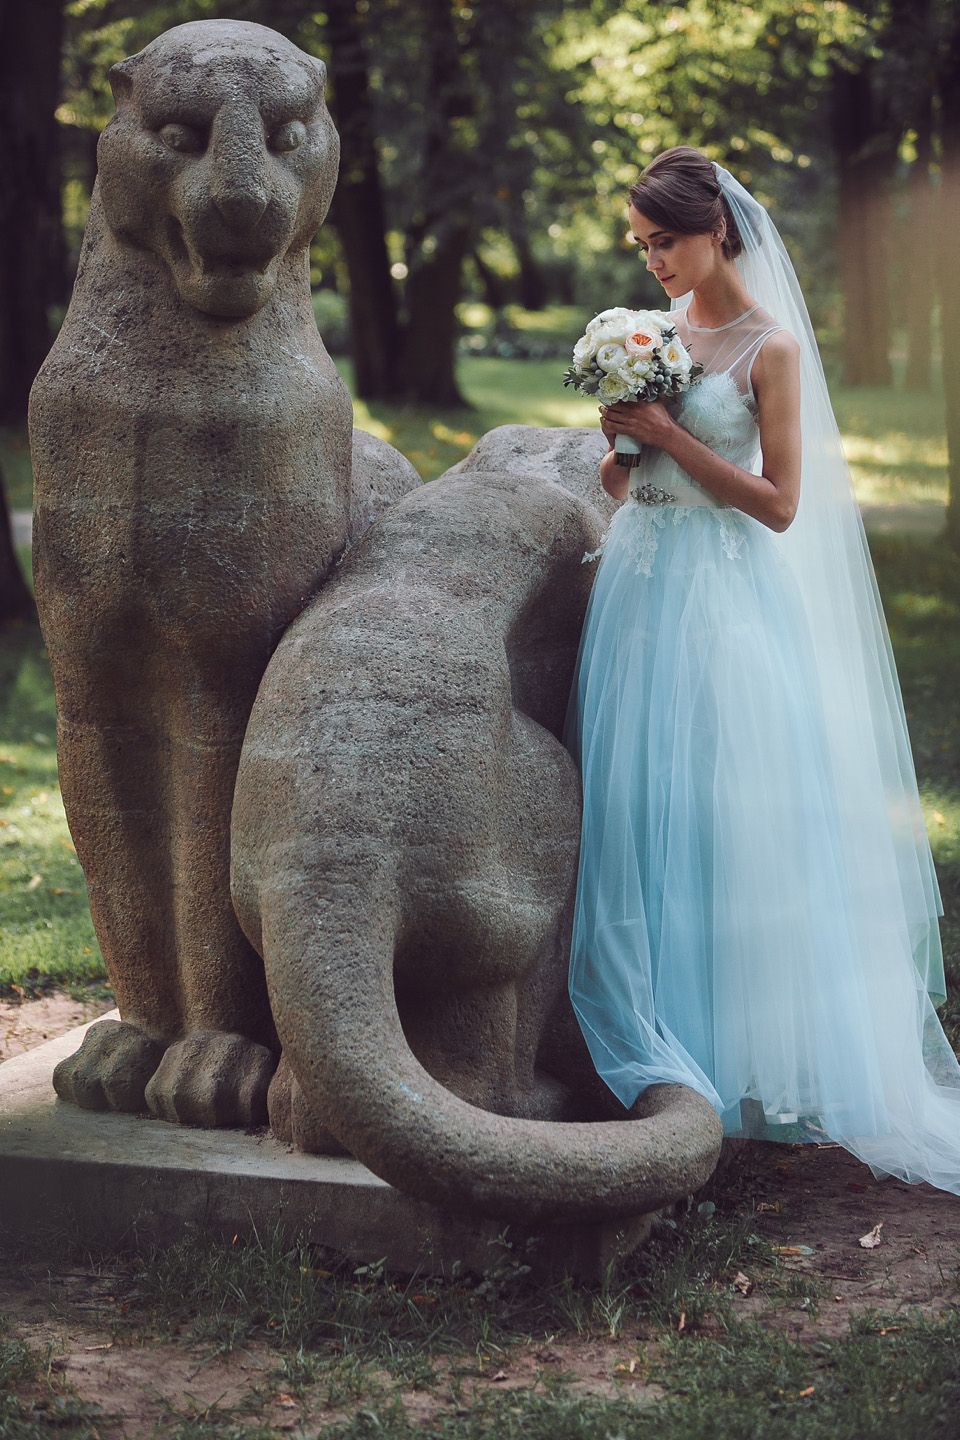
x=121, y=1179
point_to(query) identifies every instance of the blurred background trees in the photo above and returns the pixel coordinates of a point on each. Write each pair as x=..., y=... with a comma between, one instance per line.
x=487, y=149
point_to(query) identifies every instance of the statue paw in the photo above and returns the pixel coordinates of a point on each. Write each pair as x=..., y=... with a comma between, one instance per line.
x=291, y=1118
x=111, y=1069
x=212, y=1080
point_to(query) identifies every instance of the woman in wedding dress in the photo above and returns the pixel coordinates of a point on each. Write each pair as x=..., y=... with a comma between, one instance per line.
x=756, y=905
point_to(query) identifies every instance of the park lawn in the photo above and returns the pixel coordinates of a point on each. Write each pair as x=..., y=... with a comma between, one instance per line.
x=896, y=443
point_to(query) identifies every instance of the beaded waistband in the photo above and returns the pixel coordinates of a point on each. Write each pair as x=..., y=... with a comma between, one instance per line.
x=679, y=495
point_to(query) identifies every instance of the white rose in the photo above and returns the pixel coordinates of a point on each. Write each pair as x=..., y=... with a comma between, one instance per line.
x=676, y=357
x=643, y=341
x=613, y=388
x=611, y=356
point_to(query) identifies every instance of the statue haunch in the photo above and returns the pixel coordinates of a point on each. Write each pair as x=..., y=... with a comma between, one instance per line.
x=192, y=443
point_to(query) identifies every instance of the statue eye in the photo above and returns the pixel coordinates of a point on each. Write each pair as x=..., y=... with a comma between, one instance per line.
x=288, y=137
x=182, y=138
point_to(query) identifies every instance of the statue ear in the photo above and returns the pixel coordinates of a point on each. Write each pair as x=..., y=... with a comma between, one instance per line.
x=121, y=79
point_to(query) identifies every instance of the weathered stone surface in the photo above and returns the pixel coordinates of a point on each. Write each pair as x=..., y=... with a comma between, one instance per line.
x=405, y=837
x=381, y=477
x=110, y=1070
x=112, y=1180
x=566, y=456
x=212, y=1080
x=192, y=445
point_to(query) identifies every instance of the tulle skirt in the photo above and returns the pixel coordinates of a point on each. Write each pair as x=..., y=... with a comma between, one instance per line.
x=717, y=935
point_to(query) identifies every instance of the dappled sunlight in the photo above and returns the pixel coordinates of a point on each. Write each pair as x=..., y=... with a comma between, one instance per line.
x=924, y=606
x=941, y=813
x=498, y=392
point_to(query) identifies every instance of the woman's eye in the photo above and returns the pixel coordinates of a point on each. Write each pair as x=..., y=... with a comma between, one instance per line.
x=182, y=138
x=289, y=137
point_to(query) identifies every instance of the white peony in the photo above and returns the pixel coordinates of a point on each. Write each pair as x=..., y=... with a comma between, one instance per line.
x=654, y=320
x=611, y=356
x=613, y=388
x=637, y=370
x=584, y=350
x=617, y=316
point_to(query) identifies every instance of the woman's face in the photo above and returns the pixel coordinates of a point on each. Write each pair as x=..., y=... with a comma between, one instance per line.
x=679, y=262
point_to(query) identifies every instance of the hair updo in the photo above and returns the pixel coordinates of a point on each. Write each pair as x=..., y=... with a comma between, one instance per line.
x=679, y=191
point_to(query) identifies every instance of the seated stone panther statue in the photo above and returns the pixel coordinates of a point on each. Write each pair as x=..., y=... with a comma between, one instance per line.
x=192, y=443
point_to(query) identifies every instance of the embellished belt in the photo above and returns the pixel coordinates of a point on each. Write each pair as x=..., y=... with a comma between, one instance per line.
x=679, y=495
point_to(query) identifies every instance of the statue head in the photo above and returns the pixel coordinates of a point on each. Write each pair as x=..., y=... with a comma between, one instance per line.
x=221, y=159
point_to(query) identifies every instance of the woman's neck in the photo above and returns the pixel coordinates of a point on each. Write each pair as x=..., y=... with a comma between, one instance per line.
x=720, y=299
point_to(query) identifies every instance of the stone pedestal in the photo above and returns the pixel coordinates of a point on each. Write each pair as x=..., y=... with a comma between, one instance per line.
x=115, y=1180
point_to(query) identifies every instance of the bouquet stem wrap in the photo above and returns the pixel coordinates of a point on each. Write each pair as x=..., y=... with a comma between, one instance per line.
x=627, y=452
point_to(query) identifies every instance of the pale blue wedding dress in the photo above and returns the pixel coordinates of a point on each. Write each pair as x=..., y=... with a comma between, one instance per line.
x=723, y=936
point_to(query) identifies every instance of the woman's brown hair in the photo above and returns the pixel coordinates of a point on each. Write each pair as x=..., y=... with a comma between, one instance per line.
x=679, y=191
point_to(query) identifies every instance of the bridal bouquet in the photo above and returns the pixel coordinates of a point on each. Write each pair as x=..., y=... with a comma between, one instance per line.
x=631, y=355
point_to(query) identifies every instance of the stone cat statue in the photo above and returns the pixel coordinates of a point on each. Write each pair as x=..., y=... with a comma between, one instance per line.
x=406, y=830
x=192, y=443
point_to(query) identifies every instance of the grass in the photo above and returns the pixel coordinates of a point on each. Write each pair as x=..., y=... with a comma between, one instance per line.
x=344, y=1345
x=45, y=929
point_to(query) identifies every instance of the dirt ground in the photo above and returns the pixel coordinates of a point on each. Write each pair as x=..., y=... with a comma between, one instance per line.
x=813, y=1204
x=26, y=1024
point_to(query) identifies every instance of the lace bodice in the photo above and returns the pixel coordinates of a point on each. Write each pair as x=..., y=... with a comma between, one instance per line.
x=721, y=411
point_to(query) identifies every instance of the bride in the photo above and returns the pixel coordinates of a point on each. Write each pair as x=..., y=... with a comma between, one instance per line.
x=756, y=909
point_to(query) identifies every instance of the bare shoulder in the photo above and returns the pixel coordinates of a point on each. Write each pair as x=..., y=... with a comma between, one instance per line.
x=778, y=354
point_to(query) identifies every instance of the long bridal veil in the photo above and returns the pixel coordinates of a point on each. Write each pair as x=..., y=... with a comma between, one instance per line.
x=885, y=852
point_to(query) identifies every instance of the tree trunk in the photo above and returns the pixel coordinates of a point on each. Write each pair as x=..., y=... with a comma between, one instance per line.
x=358, y=211
x=16, y=602
x=922, y=259
x=433, y=290
x=866, y=156
x=948, y=229
x=31, y=247
x=533, y=291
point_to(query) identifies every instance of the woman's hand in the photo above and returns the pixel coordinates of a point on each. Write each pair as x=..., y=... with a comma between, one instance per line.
x=646, y=421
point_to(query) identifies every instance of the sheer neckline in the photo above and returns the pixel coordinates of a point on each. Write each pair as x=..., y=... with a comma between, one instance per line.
x=715, y=329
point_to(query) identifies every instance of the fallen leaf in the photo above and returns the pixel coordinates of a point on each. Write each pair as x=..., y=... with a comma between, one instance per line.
x=99, y=1347
x=743, y=1283
x=839, y=1299
x=939, y=818
x=683, y=1322
x=32, y=885
x=500, y=1375
x=792, y=1250
x=871, y=1240
x=763, y=1206
x=855, y=1185
x=287, y=1401
x=809, y=1391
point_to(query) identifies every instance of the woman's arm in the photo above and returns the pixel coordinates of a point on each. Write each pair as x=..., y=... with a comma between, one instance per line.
x=770, y=497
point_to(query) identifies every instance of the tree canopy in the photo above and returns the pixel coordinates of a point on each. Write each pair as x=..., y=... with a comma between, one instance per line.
x=488, y=145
